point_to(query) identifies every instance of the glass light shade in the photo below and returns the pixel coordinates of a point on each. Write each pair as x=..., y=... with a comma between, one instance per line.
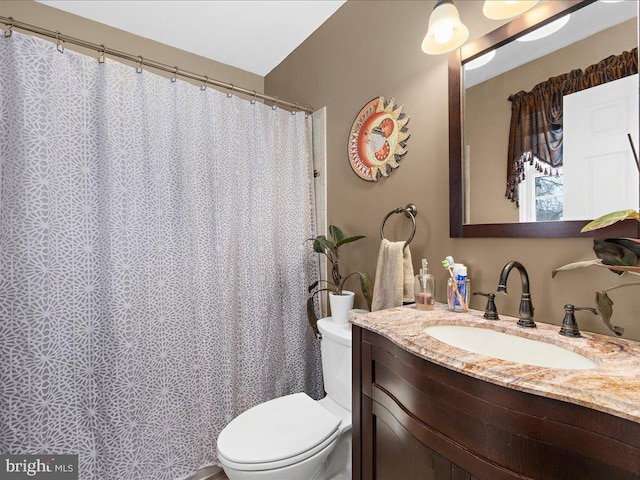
x=501, y=9
x=446, y=31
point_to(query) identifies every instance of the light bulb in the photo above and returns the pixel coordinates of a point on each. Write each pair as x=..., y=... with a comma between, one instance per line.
x=443, y=33
x=502, y=9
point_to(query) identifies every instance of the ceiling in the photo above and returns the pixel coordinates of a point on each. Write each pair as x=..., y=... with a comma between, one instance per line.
x=254, y=35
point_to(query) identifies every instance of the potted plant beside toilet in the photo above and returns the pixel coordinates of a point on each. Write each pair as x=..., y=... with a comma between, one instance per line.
x=340, y=300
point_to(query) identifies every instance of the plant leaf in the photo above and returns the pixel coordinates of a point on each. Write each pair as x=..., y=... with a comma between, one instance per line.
x=365, y=284
x=313, y=285
x=605, y=306
x=576, y=265
x=605, y=309
x=633, y=270
x=317, y=245
x=632, y=244
x=336, y=233
x=321, y=244
x=349, y=240
x=613, y=253
x=609, y=219
x=311, y=315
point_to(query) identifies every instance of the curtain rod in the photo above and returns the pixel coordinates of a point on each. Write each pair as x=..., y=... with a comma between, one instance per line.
x=60, y=37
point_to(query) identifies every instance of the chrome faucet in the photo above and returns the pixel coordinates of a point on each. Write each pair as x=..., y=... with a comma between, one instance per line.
x=526, y=307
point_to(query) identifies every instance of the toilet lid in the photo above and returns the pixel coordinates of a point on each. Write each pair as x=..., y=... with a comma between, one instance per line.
x=277, y=430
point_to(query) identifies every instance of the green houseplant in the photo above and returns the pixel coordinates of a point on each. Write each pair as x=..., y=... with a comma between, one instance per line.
x=329, y=247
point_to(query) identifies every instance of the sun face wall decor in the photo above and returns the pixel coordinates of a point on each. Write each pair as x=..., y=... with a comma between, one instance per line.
x=378, y=139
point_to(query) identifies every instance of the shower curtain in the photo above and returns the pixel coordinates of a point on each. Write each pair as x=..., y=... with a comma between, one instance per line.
x=153, y=263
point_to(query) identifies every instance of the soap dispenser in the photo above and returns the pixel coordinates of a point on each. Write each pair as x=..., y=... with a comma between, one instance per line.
x=425, y=288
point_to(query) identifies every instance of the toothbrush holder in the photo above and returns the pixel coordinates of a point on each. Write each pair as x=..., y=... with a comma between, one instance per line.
x=464, y=287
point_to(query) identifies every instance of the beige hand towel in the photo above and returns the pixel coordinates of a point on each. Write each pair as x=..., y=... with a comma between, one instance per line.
x=394, y=276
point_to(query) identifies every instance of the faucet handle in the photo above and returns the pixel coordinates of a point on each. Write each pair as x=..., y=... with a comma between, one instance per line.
x=569, y=325
x=490, y=310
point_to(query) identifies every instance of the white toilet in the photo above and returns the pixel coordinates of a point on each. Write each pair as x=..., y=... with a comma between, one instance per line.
x=295, y=437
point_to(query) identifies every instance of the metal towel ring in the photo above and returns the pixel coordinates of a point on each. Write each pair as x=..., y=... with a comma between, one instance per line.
x=410, y=211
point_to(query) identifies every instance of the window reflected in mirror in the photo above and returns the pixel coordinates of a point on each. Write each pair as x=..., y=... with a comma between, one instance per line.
x=541, y=197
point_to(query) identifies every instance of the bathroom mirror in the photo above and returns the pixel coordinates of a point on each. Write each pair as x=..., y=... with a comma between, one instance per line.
x=480, y=117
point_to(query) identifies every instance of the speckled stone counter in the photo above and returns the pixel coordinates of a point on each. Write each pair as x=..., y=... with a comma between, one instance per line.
x=613, y=387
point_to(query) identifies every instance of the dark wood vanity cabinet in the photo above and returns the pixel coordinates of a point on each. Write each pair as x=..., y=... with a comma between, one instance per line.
x=416, y=420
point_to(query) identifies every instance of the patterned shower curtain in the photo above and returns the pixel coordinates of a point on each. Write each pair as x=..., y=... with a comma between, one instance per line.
x=153, y=263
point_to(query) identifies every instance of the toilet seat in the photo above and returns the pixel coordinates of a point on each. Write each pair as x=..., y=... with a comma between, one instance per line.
x=278, y=433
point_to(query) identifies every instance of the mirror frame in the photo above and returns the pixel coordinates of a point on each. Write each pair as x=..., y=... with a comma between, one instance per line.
x=538, y=16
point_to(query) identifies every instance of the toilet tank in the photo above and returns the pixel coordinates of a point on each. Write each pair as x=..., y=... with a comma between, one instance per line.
x=335, y=348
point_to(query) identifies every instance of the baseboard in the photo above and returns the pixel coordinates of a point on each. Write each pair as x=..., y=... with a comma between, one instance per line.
x=209, y=473
x=218, y=476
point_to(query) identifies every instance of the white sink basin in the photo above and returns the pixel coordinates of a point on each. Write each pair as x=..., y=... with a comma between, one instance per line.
x=509, y=347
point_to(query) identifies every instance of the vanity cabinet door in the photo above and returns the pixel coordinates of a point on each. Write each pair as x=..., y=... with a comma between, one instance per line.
x=399, y=455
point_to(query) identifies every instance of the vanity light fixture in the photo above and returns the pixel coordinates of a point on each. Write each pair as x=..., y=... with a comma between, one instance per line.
x=446, y=31
x=481, y=61
x=545, y=31
x=502, y=9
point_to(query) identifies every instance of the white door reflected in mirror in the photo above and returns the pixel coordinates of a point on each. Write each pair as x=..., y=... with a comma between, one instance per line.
x=600, y=172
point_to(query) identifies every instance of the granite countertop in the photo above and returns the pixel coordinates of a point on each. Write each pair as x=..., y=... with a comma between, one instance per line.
x=613, y=387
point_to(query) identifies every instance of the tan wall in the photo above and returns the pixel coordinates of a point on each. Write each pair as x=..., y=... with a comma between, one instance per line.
x=372, y=48
x=53, y=19
x=488, y=115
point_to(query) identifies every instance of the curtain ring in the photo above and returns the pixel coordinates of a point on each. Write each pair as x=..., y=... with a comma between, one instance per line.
x=101, y=57
x=140, y=63
x=275, y=105
x=204, y=84
x=295, y=107
x=253, y=100
x=59, y=46
x=9, y=31
x=175, y=75
x=230, y=93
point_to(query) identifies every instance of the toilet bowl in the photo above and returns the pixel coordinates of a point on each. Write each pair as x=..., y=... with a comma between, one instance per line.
x=295, y=437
